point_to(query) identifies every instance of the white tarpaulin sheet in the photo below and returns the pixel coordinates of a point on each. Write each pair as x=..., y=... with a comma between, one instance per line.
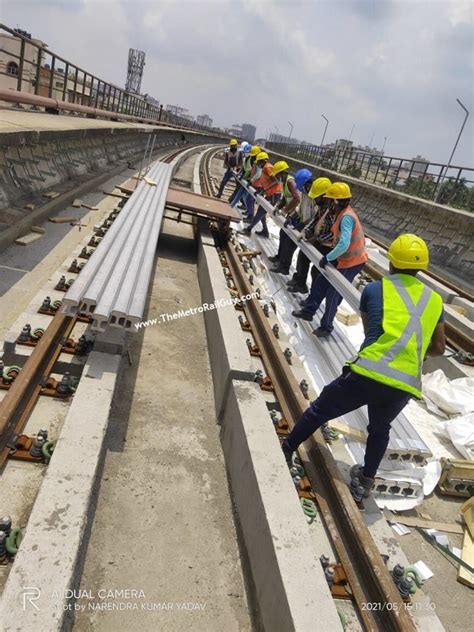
x=453, y=397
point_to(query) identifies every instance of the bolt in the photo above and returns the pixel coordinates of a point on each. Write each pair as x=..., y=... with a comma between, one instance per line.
x=276, y=330
x=36, y=448
x=258, y=293
x=3, y=546
x=249, y=344
x=82, y=344
x=5, y=524
x=258, y=376
x=274, y=416
x=287, y=353
x=245, y=265
x=397, y=573
x=46, y=305
x=2, y=368
x=43, y=433
x=304, y=388
x=25, y=333
x=251, y=279
x=296, y=480
x=329, y=574
x=266, y=309
x=405, y=586
x=324, y=559
x=63, y=388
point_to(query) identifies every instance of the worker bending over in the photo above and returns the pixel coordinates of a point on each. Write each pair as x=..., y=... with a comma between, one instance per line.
x=403, y=322
x=349, y=254
x=240, y=192
x=268, y=186
x=315, y=220
x=290, y=201
x=255, y=173
x=232, y=160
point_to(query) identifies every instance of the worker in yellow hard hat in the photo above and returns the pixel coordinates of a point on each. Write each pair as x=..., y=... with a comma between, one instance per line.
x=269, y=186
x=349, y=254
x=251, y=176
x=403, y=322
x=315, y=219
x=289, y=202
x=232, y=161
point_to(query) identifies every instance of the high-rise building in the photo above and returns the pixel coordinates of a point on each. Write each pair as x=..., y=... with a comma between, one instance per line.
x=248, y=132
x=136, y=63
x=204, y=119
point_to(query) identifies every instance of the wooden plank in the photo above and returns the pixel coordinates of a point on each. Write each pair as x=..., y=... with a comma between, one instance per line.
x=51, y=195
x=28, y=239
x=467, y=555
x=413, y=521
x=91, y=208
x=467, y=510
x=62, y=220
x=77, y=203
x=38, y=229
x=345, y=429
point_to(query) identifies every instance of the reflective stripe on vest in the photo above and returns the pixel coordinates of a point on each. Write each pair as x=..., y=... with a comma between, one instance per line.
x=380, y=359
x=286, y=191
x=356, y=253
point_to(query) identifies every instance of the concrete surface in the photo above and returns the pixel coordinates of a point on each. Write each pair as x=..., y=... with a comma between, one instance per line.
x=163, y=522
x=228, y=352
x=47, y=558
x=292, y=591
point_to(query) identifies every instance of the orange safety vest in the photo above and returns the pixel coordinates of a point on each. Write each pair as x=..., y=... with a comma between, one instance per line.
x=266, y=182
x=356, y=253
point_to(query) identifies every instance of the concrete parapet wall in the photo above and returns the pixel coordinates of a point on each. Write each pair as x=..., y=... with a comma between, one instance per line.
x=32, y=162
x=385, y=213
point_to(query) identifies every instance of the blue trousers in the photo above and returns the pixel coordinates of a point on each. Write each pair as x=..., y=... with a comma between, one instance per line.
x=321, y=289
x=250, y=206
x=261, y=214
x=227, y=176
x=241, y=194
x=347, y=393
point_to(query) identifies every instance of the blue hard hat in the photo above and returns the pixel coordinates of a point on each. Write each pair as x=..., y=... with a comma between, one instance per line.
x=302, y=177
x=247, y=148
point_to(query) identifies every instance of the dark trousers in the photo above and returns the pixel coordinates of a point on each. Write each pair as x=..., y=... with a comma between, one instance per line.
x=227, y=176
x=286, y=250
x=261, y=214
x=347, y=393
x=321, y=289
x=235, y=192
x=303, y=263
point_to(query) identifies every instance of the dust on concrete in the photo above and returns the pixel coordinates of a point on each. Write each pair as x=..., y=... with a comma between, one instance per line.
x=163, y=522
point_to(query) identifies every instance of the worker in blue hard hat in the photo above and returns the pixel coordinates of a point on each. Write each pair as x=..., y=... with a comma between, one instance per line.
x=232, y=161
x=403, y=322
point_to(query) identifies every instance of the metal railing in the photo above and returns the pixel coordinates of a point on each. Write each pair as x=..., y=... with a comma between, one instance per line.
x=454, y=186
x=31, y=67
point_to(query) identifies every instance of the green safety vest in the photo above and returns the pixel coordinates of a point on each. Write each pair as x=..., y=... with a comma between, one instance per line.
x=411, y=312
x=247, y=166
x=286, y=192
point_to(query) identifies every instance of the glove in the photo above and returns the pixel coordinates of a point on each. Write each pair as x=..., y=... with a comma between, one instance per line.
x=323, y=261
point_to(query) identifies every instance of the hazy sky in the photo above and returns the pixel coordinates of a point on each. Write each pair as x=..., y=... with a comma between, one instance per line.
x=390, y=67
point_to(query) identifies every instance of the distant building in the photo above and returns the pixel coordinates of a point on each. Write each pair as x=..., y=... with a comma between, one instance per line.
x=204, y=119
x=280, y=138
x=176, y=110
x=9, y=62
x=417, y=166
x=343, y=145
x=248, y=132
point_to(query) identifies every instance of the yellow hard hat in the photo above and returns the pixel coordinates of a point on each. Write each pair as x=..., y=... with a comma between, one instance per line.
x=233, y=142
x=255, y=150
x=279, y=166
x=338, y=191
x=262, y=156
x=409, y=252
x=319, y=187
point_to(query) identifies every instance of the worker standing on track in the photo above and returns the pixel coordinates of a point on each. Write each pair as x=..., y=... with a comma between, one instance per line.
x=255, y=173
x=288, y=203
x=270, y=187
x=317, y=232
x=240, y=192
x=349, y=252
x=403, y=322
x=232, y=160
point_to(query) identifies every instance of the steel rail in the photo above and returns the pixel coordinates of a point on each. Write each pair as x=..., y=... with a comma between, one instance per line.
x=369, y=578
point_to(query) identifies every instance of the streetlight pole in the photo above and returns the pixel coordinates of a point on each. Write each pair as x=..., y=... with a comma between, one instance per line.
x=350, y=135
x=325, y=129
x=371, y=140
x=384, y=141
x=441, y=175
x=291, y=128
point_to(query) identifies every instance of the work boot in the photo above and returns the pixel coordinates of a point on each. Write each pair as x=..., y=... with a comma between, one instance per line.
x=320, y=332
x=279, y=270
x=273, y=258
x=298, y=289
x=361, y=485
x=246, y=231
x=263, y=233
x=302, y=303
x=288, y=452
x=302, y=314
x=248, y=220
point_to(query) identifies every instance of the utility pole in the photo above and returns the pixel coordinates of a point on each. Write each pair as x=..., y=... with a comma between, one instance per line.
x=291, y=128
x=384, y=141
x=325, y=129
x=352, y=130
x=443, y=171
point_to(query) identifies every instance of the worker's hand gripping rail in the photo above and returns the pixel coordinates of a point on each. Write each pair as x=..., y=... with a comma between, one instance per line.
x=345, y=289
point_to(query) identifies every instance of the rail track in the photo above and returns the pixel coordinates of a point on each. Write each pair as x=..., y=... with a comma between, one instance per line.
x=369, y=579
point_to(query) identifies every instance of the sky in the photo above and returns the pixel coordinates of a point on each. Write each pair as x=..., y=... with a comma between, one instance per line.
x=390, y=68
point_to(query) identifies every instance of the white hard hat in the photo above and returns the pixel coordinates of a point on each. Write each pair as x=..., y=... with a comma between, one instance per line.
x=242, y=144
